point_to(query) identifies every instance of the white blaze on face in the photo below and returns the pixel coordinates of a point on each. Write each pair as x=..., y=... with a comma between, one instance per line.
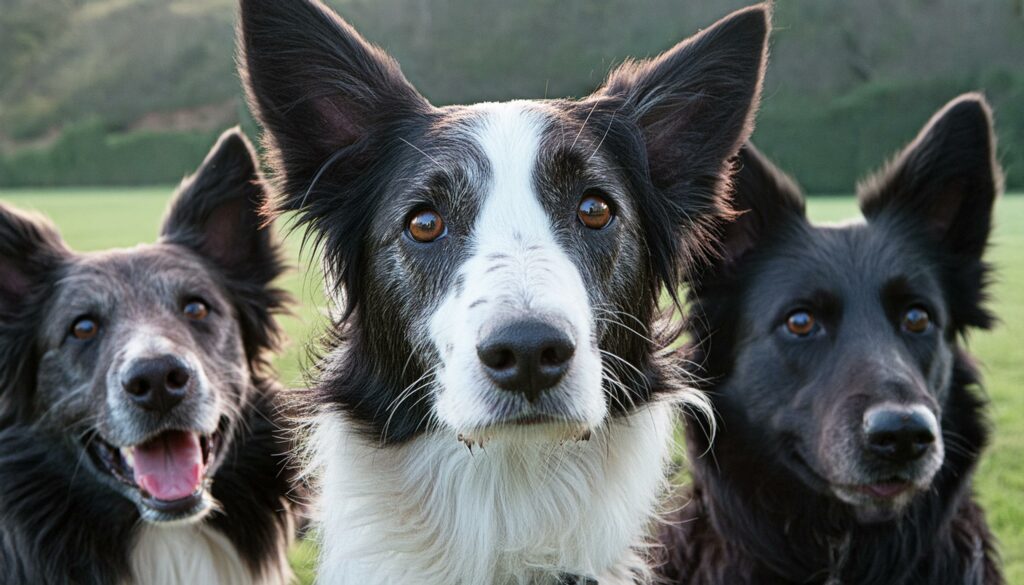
x=516, y=270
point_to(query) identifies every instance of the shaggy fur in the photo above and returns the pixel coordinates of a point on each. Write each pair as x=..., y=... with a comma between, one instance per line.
x=432, y=472
x=780, y=496
x=64, y=518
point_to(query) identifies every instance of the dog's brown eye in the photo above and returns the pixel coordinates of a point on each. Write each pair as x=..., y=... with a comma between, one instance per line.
x=426, y=226
x=195, y=310
x=916, y=320
x=85, y=328
x=800, y=323
x=594, y=212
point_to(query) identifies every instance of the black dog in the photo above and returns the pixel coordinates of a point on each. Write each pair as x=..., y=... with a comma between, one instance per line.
x=138, y=433
x=850, y=419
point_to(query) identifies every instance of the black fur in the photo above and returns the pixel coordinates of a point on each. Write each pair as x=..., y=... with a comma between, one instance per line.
x=761, y=509
x=60, y=520
x=341, y=124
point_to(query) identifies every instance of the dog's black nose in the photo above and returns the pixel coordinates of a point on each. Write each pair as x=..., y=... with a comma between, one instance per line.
x=158, y=384
x=526, y=356
x=900, y=436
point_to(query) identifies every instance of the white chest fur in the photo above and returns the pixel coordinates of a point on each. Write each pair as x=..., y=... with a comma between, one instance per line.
x=431, y=512
x=197, y=554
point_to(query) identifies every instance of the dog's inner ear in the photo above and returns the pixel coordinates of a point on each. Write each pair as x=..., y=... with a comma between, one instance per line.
x=15, y=284
x=316, y=85
x=946, y=180
x=764, y=198
x=228, y=232
x=30, y=247
x=216, y=210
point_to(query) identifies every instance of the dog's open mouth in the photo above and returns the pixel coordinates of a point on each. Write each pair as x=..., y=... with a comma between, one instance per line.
x=169, y=470
x=885, y=490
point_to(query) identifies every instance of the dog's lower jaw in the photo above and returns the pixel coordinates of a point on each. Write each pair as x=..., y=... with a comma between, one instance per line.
x=431, y=512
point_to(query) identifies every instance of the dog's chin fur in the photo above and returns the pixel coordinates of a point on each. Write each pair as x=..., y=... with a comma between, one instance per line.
x=513, y=511
x=182, y=552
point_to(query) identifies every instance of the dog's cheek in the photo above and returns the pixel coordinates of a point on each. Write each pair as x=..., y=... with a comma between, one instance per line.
x=226, y=369
x=939, y=372
x=65, y=389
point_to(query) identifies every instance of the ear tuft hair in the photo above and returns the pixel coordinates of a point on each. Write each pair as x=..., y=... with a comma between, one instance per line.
x=319, y=90
x=946, y=180
x=943, y=186
x=764, y=198
x=31, y=255
x=30, y=247
x=695, y=106
x=216, y=213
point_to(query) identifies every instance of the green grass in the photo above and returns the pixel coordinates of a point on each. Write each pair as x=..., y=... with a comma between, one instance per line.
x=94, y=219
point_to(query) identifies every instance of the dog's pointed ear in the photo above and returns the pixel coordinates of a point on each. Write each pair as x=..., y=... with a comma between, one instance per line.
x=217, y=213
x=695, y=107
x=30, y=250
x=216, y=210
x=764, y=199
x=318, y=88
x=946, y=181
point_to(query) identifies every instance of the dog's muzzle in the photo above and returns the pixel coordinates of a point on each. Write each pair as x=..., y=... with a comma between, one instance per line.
x=527, y=356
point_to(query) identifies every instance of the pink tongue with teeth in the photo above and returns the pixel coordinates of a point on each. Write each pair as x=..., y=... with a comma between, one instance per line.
x=170, y=467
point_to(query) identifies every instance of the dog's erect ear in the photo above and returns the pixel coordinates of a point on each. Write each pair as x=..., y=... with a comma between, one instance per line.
x=319, y=89
x=216, y=210
x=30, y=249
x=695, y=106
x=764, y=198
x=946, y=180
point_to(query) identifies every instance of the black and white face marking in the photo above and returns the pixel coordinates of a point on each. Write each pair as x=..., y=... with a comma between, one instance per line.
x=517, y=280
x=473, y=291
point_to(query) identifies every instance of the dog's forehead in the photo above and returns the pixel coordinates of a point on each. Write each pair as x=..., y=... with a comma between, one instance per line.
x=846, y=261
x=118, y=276
x=463, y=157
x=511, y=138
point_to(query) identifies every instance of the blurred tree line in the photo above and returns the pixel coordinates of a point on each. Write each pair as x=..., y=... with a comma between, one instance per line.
x=133, y=91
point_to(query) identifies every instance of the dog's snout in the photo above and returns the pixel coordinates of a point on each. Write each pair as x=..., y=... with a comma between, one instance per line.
x=899, y=435
x=526, y=356
x=159, y=383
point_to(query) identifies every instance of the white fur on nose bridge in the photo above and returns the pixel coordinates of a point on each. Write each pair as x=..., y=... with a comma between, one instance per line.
x=146, y=342
x=528, y=506
x=517, y=269
x=510, y=136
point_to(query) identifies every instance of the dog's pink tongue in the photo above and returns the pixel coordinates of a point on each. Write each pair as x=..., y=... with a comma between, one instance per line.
x=170, y=467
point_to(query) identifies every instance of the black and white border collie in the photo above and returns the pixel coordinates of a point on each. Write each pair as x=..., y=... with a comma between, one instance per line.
x=850, y=411
x=497, y=271
x=140, y=436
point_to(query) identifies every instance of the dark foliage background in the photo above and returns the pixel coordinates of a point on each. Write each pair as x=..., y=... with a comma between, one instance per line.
x=99, y=92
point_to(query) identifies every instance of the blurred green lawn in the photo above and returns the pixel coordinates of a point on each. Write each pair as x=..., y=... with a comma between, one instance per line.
x=93, y=219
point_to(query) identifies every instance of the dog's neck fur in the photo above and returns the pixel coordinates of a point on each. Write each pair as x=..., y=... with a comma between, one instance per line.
x=189, y=554
x=431, y=511
x=772, y=528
